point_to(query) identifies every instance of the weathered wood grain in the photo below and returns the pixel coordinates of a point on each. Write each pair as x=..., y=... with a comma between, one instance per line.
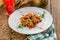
x=56, y=14
x=4, y=29
x=6, y=33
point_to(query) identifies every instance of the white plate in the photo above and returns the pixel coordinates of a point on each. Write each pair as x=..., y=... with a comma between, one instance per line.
x=14, y=20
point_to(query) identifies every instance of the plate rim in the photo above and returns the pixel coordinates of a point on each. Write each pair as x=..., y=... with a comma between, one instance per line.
x=30, y=33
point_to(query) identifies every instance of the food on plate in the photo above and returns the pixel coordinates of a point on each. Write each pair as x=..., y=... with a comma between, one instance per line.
x=30, y=20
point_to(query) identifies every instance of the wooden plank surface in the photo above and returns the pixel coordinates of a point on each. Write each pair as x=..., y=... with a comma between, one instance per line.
x=6, y=33
x=4, y=29
x=56, y=14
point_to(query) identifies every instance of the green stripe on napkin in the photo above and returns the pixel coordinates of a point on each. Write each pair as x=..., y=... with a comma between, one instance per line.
x=44, y=36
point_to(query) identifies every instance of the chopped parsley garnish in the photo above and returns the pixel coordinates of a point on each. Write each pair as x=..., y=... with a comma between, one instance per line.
x=20, y=26
x=43, y=15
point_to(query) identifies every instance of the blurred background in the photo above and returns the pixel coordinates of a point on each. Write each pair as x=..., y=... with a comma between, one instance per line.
x=53, y=6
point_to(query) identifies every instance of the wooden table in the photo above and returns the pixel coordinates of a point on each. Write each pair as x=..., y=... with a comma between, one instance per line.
x=6, y=33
